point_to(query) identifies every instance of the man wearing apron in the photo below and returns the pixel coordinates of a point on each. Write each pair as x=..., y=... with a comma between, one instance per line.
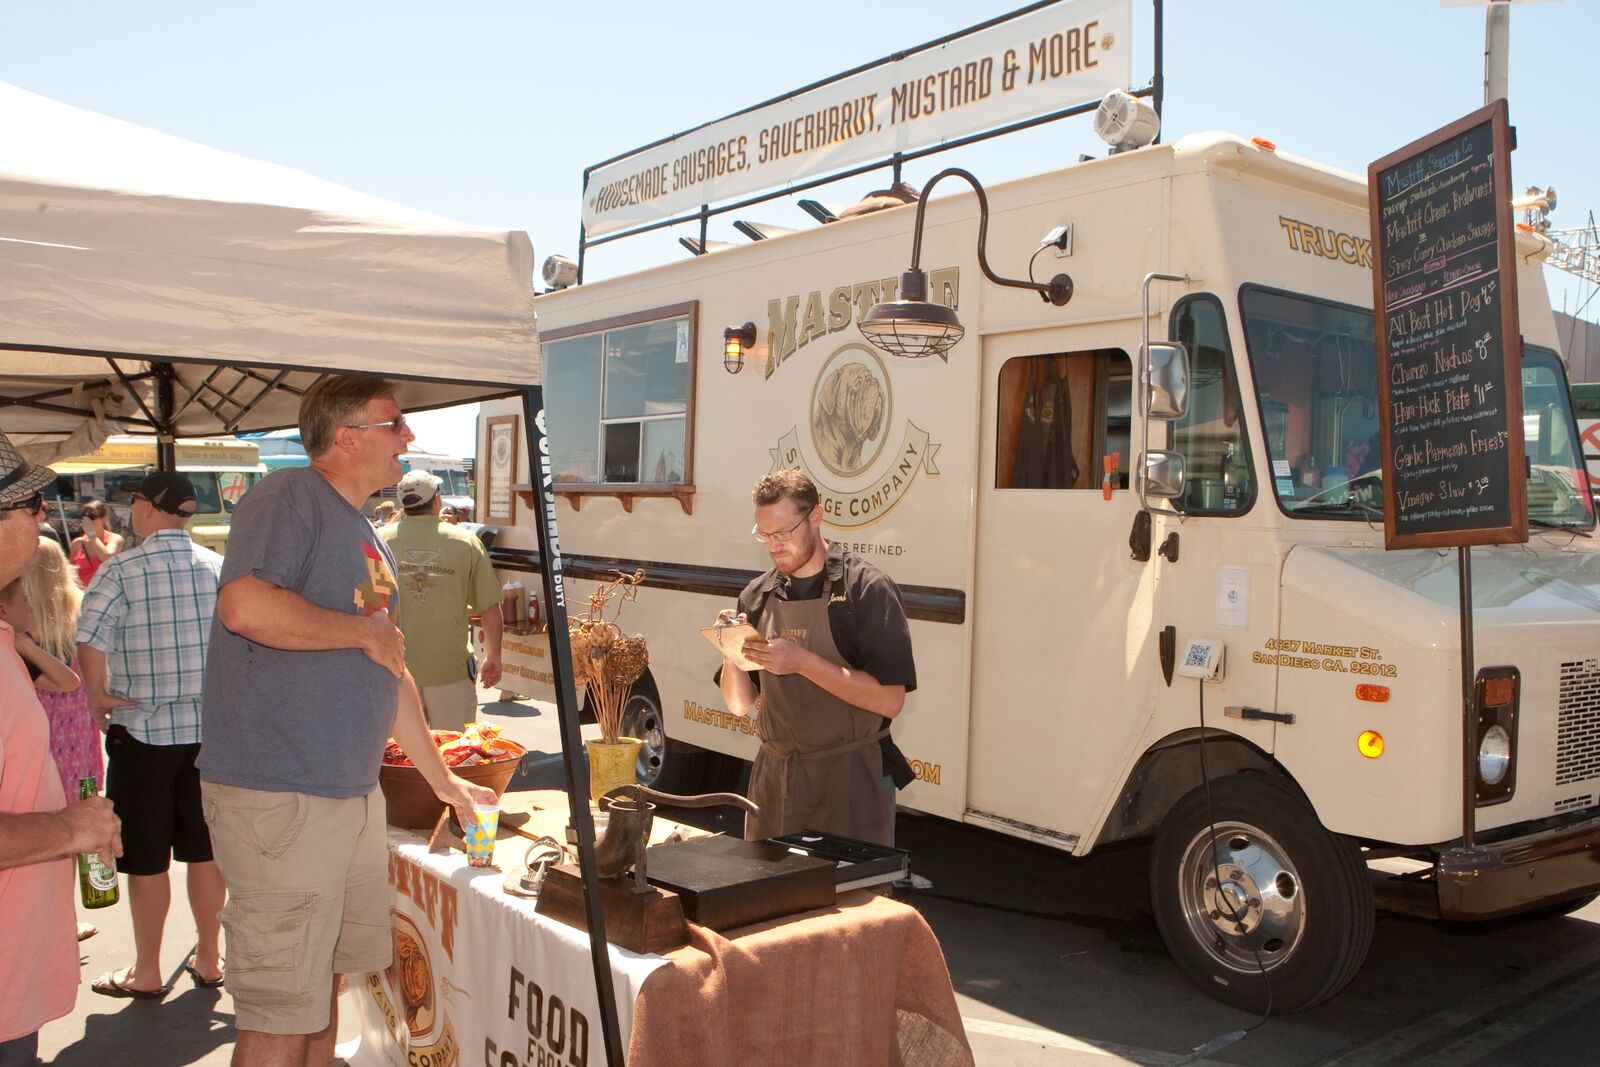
x=836, y=666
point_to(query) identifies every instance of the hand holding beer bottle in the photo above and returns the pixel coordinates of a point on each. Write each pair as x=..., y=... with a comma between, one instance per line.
x=96, y=837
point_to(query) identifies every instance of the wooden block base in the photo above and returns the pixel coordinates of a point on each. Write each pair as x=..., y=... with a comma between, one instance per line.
x=639, y=922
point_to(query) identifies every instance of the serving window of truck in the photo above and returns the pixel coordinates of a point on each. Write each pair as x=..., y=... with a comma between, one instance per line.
x=622, y=391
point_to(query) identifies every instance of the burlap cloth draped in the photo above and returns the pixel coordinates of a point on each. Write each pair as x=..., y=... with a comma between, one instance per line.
x=864, y=983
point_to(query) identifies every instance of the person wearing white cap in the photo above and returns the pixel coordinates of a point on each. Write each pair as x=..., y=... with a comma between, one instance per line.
x=39, y=832
x=444, y=575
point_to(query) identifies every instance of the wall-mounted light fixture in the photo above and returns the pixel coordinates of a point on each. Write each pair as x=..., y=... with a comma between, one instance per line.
x=736, y=341
x=913, y=327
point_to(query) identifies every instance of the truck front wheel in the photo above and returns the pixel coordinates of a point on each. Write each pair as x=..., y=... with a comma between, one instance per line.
x=1252, y=883
x=664, y=763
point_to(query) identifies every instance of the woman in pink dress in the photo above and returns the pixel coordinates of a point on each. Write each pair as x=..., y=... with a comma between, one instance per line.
x=54, y=595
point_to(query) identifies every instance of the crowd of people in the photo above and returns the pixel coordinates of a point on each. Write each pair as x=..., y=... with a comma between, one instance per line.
x=198, y=691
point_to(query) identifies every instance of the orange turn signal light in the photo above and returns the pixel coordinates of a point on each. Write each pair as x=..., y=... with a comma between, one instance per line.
x=1497, y=692
x=1262, y=142
x=1378, y=694
x=1370, y=744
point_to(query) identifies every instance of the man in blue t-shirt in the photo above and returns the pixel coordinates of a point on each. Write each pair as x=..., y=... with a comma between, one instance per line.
x=305, y=682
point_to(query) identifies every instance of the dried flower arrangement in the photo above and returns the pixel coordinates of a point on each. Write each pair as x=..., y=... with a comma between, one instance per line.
x=605, y=661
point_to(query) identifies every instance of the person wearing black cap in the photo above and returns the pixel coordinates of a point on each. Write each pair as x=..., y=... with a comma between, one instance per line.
x=39, y=831
x=142, y=636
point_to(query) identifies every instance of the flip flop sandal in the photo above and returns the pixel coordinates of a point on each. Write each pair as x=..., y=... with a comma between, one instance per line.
x=108, y=986
x=87, y=930
x=199, y=979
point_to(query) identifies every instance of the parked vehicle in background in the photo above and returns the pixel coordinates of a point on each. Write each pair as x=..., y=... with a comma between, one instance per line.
x=1586, y=406
x=220, y=468
x=454, y=489
x=1048, y=605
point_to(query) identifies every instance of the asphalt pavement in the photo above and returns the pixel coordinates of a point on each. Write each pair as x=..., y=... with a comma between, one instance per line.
x=1054, y=961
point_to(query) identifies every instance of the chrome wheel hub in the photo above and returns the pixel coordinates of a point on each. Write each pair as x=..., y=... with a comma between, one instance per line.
x=1241, y=896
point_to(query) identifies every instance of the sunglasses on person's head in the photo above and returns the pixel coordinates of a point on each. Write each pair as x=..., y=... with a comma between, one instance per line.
x=32, y=504
x=397, y=425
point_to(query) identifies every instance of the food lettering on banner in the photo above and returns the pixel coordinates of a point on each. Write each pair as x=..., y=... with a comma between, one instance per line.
x=1449, y=349
x=557, y=1032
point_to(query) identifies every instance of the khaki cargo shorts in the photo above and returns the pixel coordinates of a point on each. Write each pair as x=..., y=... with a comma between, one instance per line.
x=308, y=898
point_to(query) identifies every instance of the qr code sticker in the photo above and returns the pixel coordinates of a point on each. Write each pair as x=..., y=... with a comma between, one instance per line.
x=1197, y=656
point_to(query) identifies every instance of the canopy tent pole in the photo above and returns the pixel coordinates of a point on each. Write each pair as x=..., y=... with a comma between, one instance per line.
x=572, y=749
x=166, y=439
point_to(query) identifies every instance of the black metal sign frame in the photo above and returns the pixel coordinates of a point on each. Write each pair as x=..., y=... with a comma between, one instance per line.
x=1154, y=91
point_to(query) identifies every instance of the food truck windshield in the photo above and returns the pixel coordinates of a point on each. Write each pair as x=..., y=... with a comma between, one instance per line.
x=1314, y=365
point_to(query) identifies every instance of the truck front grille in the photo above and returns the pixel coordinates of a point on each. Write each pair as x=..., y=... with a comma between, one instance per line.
x=1578, y=722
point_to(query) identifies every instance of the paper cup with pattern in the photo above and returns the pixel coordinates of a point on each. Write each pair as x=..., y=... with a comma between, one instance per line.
x=480, y=835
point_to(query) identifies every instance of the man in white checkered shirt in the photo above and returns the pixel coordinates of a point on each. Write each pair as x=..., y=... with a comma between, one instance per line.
x=142, y=636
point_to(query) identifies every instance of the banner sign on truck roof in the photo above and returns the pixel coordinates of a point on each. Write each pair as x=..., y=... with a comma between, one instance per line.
x=1056, y=57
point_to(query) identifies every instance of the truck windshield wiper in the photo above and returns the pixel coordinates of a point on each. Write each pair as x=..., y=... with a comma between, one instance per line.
x=1569, y=527
x=1329, y=508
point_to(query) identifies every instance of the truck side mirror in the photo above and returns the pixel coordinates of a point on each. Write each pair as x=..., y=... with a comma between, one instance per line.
x=1162, y=473
x=1168, y=367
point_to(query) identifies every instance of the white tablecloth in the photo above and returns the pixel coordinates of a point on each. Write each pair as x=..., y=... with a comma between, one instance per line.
x=479, y=977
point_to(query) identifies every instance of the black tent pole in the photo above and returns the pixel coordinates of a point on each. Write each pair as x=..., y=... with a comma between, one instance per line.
x=572, y=750
x=166, y=440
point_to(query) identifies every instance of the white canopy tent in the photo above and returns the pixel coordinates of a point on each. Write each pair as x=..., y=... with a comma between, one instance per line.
x=151, y=285
x=124, y=251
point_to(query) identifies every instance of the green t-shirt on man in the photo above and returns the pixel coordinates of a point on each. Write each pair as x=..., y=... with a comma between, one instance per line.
x=445, y=575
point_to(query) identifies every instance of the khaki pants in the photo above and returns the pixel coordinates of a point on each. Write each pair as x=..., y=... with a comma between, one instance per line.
x=450, y=707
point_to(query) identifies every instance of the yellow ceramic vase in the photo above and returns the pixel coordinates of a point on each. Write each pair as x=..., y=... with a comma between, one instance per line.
x=611, y=764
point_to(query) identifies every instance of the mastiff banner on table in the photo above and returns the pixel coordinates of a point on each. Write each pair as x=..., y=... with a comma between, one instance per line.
x=478, y=977
x=1058, y=57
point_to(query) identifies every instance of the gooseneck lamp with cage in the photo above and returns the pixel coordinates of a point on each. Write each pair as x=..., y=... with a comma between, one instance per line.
x=913, y=327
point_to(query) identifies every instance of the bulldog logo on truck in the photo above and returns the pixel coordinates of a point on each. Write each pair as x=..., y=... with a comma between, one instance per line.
x=851, y=426
x=850, y=410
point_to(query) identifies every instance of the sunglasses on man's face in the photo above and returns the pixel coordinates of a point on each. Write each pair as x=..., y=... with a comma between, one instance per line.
x=32, y=504
x=396, y=426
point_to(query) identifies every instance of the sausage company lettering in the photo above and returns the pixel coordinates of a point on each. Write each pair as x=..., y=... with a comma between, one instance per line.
x=722, y=720
x=790, y=329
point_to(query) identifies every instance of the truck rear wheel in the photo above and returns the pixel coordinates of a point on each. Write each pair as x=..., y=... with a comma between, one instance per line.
x=1277, y=893
x=664, y=764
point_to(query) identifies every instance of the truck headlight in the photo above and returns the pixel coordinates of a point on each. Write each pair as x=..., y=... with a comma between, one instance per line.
x=1494, y=755
x=1499, y=692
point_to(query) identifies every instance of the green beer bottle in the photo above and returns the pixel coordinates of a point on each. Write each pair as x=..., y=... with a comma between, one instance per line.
x=96, y=881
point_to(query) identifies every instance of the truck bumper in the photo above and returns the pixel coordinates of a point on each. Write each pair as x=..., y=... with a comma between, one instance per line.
x=1519, y=874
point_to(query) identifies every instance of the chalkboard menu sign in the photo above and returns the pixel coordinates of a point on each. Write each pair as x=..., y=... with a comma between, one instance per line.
x=1445, y=290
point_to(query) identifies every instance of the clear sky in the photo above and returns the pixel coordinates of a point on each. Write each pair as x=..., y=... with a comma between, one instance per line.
x=488, y=112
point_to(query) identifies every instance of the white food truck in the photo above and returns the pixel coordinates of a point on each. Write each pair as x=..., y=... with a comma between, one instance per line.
x=1048, y=605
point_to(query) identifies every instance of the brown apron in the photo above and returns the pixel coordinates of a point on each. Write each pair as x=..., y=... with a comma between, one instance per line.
x=820, y=767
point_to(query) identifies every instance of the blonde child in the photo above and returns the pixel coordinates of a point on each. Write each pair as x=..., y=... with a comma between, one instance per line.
x=48, y=673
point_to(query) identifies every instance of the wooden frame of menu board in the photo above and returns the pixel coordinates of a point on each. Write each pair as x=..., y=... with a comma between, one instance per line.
x=499, y=469
x=1449, y=348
